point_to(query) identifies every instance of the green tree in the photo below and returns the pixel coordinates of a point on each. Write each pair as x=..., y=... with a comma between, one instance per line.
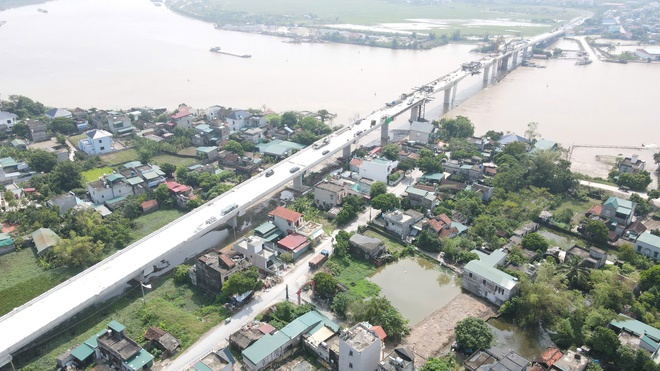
x=78, y=251
x=66, y=176
x=458, y=127
x=643, y=206
x=234, y=146
x=63, y=125
x=406, y=164
x=342, y=302
x=326, y=285
x=162, y=195
x=473, y=333
x=168, y=169
x=605, y=341
x=241, y=282
x=636, y=182
x=385, y=202
x=391, y=151
x=181, y=274
x=429, y=162
x=23, y=106
x=576, y=273
x=440, y=364
x=41, y=161
x=289, y=119
x=21, y=130
x=596, y=230
x=535, y=242
x=650, y=278
x=516, y=149
x=379, y=311
x=377, y=188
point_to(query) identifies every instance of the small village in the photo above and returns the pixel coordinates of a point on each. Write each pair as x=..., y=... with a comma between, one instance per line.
x=523, y=239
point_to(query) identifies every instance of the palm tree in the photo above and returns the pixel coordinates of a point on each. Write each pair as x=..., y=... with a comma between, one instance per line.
x=576, y=273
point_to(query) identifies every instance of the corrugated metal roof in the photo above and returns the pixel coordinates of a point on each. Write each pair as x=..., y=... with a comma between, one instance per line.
x=44, y=238
x=636, y=327
x=491, y=274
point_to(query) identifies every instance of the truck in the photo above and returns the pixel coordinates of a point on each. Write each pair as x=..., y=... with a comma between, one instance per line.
x=319, y=259
x=321, y=143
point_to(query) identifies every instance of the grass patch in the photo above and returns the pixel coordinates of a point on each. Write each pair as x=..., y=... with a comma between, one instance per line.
x=22, y=279
x=154, y=221
x=77, y=138
x=94, y=174
x=184, y=311
x=120, y=157
x=174, y=160
x=392, y=245
x=188, y=151
x=353, y=273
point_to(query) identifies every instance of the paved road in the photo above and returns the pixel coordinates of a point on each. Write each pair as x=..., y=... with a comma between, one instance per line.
x=618, y=192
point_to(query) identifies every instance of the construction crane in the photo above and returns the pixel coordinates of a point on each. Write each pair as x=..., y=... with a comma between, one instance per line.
x=305, y=285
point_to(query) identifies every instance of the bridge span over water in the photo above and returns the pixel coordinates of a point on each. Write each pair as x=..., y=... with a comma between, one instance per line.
x=200, y=229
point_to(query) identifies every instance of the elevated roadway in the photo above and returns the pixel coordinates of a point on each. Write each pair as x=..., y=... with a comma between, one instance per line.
x=194, y=232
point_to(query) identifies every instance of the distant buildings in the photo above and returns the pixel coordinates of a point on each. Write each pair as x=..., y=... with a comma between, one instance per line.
x=631, y=165
x=482, y=278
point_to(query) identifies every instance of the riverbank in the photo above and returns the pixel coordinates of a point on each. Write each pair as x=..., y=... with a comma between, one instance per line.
x=434, y=335
x=8, y=4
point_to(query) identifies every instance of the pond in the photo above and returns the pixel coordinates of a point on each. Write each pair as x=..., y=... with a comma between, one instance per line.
x=527, y=343
x=416, y=286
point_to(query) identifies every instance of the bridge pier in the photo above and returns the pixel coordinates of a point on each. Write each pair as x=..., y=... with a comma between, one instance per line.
x=514, y=61
x=453, y=94
x=385, y=133
x=504, y=64
x=414, y=114
x=347, y=151
x=297, y=183
x=486, y=73
x=448, y=90
x=525, y=55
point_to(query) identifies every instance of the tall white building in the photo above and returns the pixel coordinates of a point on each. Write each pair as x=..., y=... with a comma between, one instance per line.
x=378, y=169
x=97, y=142
x=359, y=349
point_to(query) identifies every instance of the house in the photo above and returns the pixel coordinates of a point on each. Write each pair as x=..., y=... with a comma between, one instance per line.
x=401, y=223
x=58, y=113
x=212, y=270
x=618, y=211
x=636, y=334
x=511, y=138
x=182, y=119
x=648, y=244
x=236, y=119
x=634, y=230
x=571, y=361
x=162, y=340
x=7, y=120
x=485, y=191
x=400, y=359
x=254, y=135
x=324, y=342
x=592, y=258
x=469, y=170
x=432, y=178
x=648, y=54
x=421, y=197
x=269, y=233
x=97, y=142
x=7, y=244
x=219, y=360
x=119, y=124
x=367, y=247
x=122, y=352
x=279, y=148
x=631, y=165
x=180, y=192
x=328, y=195
x=355, y=164
x=286, y=220
x=294, y=244
x=254, y=248
x=207, y=153
x=377, y=169
x=483, y=360
x=83, y=354
x=44, y=239
x=109, y=187
x=444, y=227
x=279, y=344
x=217, y=112
x=148, y=207
x=482, y=278
x=359, y=348
x=422, y=132
x=548, y=358
x=19, y=144
x=63, y=202
x=38, y=130
x=249, y=334
x=545, y=145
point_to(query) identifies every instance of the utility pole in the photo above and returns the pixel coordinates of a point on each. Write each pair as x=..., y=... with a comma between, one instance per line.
x=142, y=286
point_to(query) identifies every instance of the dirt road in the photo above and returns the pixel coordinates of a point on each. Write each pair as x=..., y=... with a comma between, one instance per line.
x=434, y=335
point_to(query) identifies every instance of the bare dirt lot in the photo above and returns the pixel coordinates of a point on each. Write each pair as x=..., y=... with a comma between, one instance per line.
x=434, y=335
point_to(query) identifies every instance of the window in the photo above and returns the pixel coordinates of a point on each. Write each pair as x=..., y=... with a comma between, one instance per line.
x=350, y=365
x=100, y=141
x=470, y=274
x=350, y=353
x=484, y=282
x=102, y=148
x=639, y=248
x=655, y=254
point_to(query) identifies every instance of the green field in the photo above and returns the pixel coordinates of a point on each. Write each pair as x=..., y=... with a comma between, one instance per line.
x=354, y=275
x=22, y=279
x=94, y=174
x=120, y=157
x=154, y=221
x=77, y=138
x=181, y=310
x=174, y=160
x=372, y=12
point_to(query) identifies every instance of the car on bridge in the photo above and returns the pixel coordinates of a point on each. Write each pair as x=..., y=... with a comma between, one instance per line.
x=270, y=172
x=229, y=209
x=326, y=152
x=294, y=169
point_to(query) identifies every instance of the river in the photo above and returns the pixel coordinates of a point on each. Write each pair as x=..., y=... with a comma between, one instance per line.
x=130, y=53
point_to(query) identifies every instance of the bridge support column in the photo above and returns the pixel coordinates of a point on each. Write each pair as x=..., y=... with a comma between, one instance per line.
x=504, y=64
x=233, y=221
x=525, y=55
x=347, y=151
x=297, y=183
x=453, y=94
x=385, y=133
x=414, y=114
x=486, y=73
x=514, y=59
x=448, y=94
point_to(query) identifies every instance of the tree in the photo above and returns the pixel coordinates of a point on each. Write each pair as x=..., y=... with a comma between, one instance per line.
x=643, y=206
x=162, y=195
x=323, y=115
x=473, y=333
x=66, y=176
x=605, y=341
x=408, y=164
x=41, y=161
x=325, y=285
x=289, y=119
x=458, y=127
x=576, y=273
x=78, y=251
x=596, y=230
x=656, y=158
x=636, y=182
x=379, y=312
x=532, y=132
x=23, y=106
x=168, y=169
x=377, y=188
x=181, y=274
x=386, y=202
x=391, y=151
x=515, y=149
x=21, y=130
x=63, y=125
x=234, y=146
x=535, y=242
x=650, y=278
x=439, y=364
x=342, y=302
x=241, y=282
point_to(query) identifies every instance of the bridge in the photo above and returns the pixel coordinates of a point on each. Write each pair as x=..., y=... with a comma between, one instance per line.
x=199, y=230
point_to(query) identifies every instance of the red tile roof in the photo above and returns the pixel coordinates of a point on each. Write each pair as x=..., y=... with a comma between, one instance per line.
x=177, y=188
x=146, y=205
x=550, y=356
x=266, y=328
x=356, y=162
x=436, y=225
x=286, y=214
x=225, y=259
x=293, y=242
x=448, y=232
x=379, y=332
x=180, y=115
x=444, y=219
x=595, y=210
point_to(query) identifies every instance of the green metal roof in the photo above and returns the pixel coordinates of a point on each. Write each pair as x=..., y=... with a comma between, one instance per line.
x=266, y=345
x=544, y=144
x=491, y=274
x=116, y=200
x=82, y=352
x=125, y=130
x=273, y=236
x=201, y=367
x=150, y=175
x=139, y=360
x=416, y=191
x=460, y=227
x=113, y=177
x=8, y=162
x=132, y=164
x=653, y=344
x=265, y=228
x=116, y=326
x=134, y=180
x=434, y=176
x=5, y=239
x=206, y=149
x=636, y=327
x=618, y=203
x=649, y=238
